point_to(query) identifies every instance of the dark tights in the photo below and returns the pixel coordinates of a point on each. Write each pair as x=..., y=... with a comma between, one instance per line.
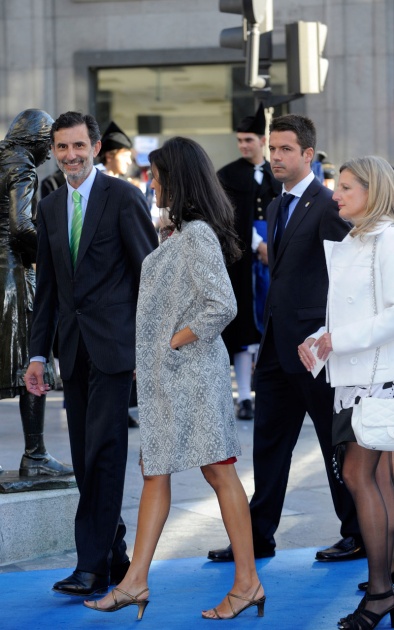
x=368, y=476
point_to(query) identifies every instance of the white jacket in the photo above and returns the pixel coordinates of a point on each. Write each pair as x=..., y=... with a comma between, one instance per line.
x=355, y=331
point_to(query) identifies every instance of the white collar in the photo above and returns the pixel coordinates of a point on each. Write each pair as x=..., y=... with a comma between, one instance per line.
x=86, y=186
x=299, y=189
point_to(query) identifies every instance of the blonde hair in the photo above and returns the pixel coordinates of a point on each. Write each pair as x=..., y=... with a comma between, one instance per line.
x=376, y=175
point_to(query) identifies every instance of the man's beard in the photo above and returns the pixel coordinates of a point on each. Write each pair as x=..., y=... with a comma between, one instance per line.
x=86, y=167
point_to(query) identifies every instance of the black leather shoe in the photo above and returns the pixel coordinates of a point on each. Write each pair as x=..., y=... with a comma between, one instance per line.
x=226, y=555
x=34, y=465
x=118, y=571
x=245, y=410
x=82, y=583
x=349, y=548
x=363, y=586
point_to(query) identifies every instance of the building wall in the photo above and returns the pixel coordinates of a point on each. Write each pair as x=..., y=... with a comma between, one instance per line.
x=39, y=40
x=355, y=114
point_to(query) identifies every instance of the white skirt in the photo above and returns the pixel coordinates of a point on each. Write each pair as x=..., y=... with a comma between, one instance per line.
x=348, y=396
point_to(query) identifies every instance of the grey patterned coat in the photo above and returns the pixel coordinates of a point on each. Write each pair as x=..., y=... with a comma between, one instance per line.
x=185, y=401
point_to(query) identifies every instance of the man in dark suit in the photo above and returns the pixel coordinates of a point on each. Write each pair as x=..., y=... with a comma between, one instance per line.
x=298, y=223
x=93, y=234
x=251, y=186
x=115, y=160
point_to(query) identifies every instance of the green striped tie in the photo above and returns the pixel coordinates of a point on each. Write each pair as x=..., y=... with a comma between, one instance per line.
x=76, y=226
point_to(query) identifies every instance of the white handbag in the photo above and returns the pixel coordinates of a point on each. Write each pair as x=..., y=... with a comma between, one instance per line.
x=373, y=418
x=373, y=423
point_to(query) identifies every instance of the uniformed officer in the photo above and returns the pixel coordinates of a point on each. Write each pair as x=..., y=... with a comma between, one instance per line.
x=251, y=186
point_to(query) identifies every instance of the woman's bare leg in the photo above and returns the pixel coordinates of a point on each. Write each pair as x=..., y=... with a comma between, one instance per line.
x=152, y=515
x=235, y=511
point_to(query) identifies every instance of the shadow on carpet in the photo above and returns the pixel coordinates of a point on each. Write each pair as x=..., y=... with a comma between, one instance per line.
x=301, y=595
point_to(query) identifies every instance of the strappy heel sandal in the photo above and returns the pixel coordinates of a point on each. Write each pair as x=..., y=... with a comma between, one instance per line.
x=363, y=619
x=251, y=602
x=346, y=619
x=134, y=601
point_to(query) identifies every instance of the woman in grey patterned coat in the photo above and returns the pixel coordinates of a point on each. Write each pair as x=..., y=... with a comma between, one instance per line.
x=183, y=373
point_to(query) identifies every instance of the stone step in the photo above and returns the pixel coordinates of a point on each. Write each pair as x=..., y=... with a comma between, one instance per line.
x=36, y=523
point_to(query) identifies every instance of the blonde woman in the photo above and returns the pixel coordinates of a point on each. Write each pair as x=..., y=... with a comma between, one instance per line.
x=365, y=196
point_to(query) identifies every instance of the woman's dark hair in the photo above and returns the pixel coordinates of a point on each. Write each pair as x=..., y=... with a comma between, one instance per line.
x=191, y=190
x=74, y=119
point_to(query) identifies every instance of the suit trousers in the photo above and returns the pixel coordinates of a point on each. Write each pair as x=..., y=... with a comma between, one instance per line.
x=97, y=406
x=282, y=400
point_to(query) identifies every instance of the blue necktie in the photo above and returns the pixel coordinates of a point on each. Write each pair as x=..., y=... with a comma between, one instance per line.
x=283, y=215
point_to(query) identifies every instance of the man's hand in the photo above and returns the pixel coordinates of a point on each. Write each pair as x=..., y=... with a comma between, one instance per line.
x=34, y=379
x=262, y=252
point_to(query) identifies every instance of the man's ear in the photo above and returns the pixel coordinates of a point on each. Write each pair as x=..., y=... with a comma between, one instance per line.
x=309, y=153
x=96, y=148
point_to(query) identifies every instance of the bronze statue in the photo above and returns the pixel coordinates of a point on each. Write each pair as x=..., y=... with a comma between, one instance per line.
x=25, y=146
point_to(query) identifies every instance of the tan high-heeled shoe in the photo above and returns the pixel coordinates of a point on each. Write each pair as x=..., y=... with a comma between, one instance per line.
x=141, y=603
x=251, y=602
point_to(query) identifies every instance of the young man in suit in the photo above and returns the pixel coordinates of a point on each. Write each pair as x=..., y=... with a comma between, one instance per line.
x=298, y=223
x=251, y=186
x=93, y=234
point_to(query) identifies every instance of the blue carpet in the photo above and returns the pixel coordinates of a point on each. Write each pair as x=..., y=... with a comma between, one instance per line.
x=301, y=595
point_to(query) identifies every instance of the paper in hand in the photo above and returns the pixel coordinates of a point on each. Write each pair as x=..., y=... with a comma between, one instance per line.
x=319, y=363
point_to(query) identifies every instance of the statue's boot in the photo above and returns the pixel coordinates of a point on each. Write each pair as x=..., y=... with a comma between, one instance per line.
x=36, y=460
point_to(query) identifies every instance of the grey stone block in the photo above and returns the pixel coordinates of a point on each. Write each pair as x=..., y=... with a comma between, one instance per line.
x=35, y=524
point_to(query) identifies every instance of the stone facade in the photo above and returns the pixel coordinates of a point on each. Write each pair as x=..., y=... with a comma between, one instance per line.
x=49, y=47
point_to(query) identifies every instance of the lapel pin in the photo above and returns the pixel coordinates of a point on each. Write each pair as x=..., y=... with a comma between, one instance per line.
x=308, y=203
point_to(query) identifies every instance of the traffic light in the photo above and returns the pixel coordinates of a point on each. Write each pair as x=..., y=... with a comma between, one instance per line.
x=257, y=18
x=306, y=68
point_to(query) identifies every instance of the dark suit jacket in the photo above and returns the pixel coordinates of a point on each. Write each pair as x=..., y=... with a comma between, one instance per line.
x=237, y=178
x=98, y=299
x=297, y=296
